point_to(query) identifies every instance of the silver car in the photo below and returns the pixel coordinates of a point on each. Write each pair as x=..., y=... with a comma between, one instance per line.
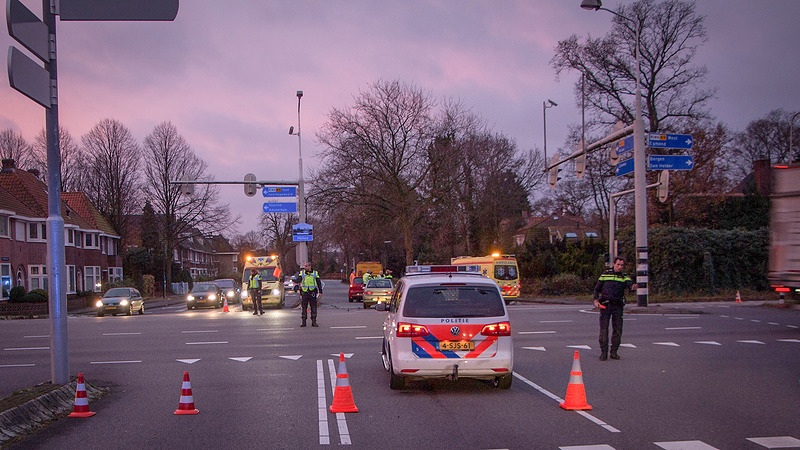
x=122, y=300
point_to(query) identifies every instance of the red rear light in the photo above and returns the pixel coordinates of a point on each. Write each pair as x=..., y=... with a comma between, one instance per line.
x=368, y=292
x=389, y=293
x=497, y=329
x=411, y=330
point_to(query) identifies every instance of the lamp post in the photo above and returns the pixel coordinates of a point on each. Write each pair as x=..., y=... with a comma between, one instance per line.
x=639, y=179
x=302, y=247
x=546, y=104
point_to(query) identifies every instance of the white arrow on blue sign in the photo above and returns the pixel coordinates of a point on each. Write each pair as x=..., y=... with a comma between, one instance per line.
x=625, y=167
x=681, y=141
x=624, y=145
x=670, y=162
x=279, y=191
x=280, y=207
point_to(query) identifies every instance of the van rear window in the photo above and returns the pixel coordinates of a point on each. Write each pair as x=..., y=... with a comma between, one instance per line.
x=453, y=301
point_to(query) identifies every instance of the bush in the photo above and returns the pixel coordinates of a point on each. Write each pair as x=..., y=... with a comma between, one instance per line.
x=17, y=294
x=148, y=286
x=35, y=296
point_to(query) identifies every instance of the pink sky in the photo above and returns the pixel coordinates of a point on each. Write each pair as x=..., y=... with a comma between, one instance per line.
x=226, y=73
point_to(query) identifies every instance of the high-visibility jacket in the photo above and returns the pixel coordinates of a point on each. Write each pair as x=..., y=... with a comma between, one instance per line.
x=366, y=278
x=255, y=282
x=611, y=287
x=308, y=280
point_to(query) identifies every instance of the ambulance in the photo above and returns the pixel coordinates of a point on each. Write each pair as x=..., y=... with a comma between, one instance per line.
x=501, y=268
x=272, y=292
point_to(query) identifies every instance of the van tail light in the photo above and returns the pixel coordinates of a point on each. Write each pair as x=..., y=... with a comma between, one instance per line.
x=497, y=329
x=411, y=330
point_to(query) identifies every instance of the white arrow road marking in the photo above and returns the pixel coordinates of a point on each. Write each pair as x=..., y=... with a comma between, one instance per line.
x=346, y=355
x=685, y=445
x=292, y=357
x=707, y=342
x=242, y=359
x=668, y=344
x=776, y=442
x=751, y=342
x=580, y=347
x=188, y=361
x=627, y=345
x=796, y=341
x=541, y=349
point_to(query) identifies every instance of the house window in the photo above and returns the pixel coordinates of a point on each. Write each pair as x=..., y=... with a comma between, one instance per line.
x=37, y=231
x=92, y=278
x=71, y=288
x=89, y=239
x=20, y=234
x=78, y=238
x=591, y=234
x=69, y=237
x=37, y=276
x=4, y=231
x=114, y=274
x=5, y=280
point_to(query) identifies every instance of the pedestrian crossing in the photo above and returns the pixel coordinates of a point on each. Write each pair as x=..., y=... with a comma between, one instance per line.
x=765, y=442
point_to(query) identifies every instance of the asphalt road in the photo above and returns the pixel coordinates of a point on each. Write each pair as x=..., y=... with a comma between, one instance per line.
x=724, y=378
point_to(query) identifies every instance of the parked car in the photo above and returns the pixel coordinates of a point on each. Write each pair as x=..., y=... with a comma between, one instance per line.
x=204, y=294
x=377, y=290
x=356, y=290
x=120, y=300
x=230, y=289
x=290, y=284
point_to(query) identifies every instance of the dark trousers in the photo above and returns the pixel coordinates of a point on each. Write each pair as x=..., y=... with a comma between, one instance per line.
x=255, y=296
x=612, y=313
x=309, y=298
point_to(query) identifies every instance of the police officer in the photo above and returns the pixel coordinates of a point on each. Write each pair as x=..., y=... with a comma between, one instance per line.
x=310, y=288
x=366, y=277
x=254, y=288
x=609, y=297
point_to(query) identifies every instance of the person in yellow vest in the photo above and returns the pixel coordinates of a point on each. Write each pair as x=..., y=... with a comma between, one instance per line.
x=366, y=277
x=254, y=288
x=310, y=289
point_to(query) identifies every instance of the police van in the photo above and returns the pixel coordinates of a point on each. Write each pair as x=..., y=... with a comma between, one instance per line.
x=447, y=322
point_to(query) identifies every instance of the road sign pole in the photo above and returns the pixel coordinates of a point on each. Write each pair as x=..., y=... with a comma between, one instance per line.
x=640, y=185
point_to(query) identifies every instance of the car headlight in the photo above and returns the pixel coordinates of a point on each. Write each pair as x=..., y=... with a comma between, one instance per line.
x=276, y=292
x=230, y=294
x=99, y=304
x=245, y=294
x=190, y=298
x=212, y=297
x=123, y=303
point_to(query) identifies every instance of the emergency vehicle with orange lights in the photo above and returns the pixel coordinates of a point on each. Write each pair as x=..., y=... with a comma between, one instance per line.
x=447, y=322
x=272, y=290
x=501, y=268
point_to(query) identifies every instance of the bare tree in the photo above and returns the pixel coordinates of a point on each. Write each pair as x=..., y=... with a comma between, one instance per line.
x=276, y=229
x=74, y=165
x=13, y=146
x=168, y=157
x=113, y=172
x=765, y=138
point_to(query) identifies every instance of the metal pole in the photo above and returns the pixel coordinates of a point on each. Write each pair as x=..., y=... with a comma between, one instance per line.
x=302, y=247
x=612, y=212
x=544, y=118
x=639, y=184
x=56, y=265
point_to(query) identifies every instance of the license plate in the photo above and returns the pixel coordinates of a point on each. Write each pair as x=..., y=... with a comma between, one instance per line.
x=457, y=345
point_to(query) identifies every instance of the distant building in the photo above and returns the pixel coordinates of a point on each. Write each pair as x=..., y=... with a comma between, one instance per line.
x=559, y=227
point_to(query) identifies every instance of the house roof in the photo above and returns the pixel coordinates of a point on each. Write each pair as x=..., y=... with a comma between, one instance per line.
x=560, y=224
x=79, y=202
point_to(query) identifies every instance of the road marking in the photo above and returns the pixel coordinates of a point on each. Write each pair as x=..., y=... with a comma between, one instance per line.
x=348, y=327
x=683, y=316
x=561, y=400
x=792, y=326
x=17, y=365
x=707, y=342
x=275, y=329
x=40, y=336
x=119, y=334
x=683, y=328
x=773, y=323
x=588, y=447
x=776, y=442
x=541, y=349
x=114, y=362
x=11, y=349
x=668, y=344
x=627, y=345
x=797, y=341
x=751, y=342
x=204, y=343
x=555, y=321
x=580, y=347
x=755, y=320
x=188, y=361
x=685, y=445
x=369, y=337
x=200, y=331
x=322, y=406
x=292, y=357
x=344, y=434
x=242, y=359
x=346, y=355
x=536, y=332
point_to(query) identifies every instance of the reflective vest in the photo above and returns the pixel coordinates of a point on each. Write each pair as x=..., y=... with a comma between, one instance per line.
x=308, y=280
x=366, y=278
x=255, y=282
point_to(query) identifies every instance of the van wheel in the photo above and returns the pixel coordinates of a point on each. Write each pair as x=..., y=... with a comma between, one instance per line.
x=503, y=381
x=395, y=382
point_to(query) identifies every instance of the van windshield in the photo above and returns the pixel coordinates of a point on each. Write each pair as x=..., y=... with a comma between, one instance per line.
x=453, y=301
x=267, y=274
x=505, y=272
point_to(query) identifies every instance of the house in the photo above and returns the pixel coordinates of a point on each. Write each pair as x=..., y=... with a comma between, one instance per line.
x=559, y=227
x=91, y=244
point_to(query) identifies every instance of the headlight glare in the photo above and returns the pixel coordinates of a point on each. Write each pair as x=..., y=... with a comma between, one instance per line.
x=212, y=297
x=190, y=298
x=99, y=304
x=123, y=303
x=276, y=292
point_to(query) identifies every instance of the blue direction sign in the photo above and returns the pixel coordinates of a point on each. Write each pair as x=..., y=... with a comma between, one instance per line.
x=280, y=207
x=625, y=167
x=681, y=141
x=302, y=232
x=279, y=191
x=624, y=145
x=670, y=162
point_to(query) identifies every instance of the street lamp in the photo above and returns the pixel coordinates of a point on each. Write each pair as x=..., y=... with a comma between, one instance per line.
x=547, y=104
x=639, y=179
x=302, y=247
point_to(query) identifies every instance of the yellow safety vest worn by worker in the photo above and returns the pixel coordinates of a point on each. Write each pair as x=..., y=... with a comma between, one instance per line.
x=308, y=280
x=255, y=282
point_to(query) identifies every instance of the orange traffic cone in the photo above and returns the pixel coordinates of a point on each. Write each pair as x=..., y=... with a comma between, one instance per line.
x=576, y=395
x=342, y=395
x=225, y=306
x=81, y=408
x=738, y=297
x=186, y=405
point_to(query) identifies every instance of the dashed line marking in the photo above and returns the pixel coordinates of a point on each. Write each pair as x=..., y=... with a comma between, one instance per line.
x=12, y=349
x=115, y=362
x=120, y=334
x=683, y=328
x=707, y=342
x=207, y=343
x=536, y=332
x=667, y=344
x=17, y=365
x=751, y=342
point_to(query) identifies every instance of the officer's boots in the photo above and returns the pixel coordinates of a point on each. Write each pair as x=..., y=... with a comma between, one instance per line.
x=314, y=323
x=614, y=354
x=304, y=323
x=603, y=356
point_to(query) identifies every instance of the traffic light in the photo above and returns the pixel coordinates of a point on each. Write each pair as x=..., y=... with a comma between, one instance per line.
x=663, y=186
x=580, y=161
x=249, y=188
x=187, y=188
x=553, y=177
